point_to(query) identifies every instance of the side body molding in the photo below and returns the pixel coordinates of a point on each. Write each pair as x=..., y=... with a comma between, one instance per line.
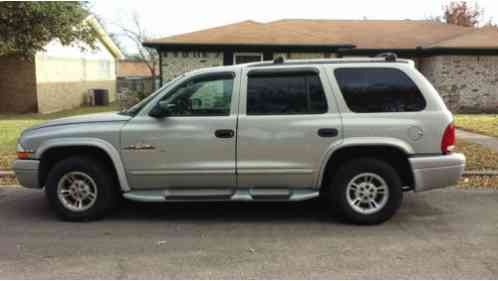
x=358, y=142
x=90, y=142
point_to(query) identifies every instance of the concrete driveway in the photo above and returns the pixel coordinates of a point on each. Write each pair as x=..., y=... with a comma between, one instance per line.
x=442, y=234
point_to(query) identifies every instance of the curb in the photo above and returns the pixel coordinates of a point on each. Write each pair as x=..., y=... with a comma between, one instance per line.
x=4, y=173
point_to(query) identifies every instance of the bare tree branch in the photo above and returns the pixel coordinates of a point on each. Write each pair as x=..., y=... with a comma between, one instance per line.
x=136, y=33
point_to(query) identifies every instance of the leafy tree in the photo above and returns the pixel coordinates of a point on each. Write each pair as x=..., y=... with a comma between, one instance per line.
x=459, y=13
x=26, y=27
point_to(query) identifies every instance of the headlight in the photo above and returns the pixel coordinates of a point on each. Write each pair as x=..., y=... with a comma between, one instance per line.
x=24, y=154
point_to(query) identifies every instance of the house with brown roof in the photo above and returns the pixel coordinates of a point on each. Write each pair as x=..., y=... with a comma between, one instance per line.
x=135, y=76
x=461, y=62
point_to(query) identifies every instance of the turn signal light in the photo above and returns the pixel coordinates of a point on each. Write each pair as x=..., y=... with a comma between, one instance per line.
x=23, y=155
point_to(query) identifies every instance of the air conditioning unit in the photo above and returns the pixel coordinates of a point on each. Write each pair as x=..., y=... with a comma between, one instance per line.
x=98, y=97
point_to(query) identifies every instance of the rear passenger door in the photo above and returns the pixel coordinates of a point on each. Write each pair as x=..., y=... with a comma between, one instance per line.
x=287, y=121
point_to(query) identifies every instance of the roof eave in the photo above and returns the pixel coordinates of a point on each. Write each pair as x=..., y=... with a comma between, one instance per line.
x=104, y=38
x=422, y=51
x=246, y=47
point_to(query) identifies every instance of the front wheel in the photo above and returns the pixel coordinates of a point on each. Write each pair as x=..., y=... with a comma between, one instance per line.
x=366, y=191
x=81, y=188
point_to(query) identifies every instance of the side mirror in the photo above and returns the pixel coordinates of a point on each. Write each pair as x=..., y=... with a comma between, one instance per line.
x=162, y=109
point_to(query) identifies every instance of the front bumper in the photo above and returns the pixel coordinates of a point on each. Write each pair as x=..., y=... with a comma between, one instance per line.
x=437, y=171
x=27, y=172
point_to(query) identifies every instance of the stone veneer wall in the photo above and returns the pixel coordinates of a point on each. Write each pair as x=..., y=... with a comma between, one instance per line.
x=466, y=83
x=176, y=63
x=17, y=85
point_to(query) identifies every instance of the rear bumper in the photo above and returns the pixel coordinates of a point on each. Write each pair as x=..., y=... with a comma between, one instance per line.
x=27, y=172
x=437, y=171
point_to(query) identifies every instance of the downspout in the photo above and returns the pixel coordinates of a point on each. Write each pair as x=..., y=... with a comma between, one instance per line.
x=160, y=67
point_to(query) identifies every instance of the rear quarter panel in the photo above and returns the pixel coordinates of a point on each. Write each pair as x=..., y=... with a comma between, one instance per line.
x=396, y=127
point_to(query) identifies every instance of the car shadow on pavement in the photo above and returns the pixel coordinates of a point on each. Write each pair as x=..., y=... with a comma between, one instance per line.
x=313, y=210
x=35, y=207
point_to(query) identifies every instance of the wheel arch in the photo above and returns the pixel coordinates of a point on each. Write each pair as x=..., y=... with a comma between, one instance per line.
x=57, y=149
x=394, y=152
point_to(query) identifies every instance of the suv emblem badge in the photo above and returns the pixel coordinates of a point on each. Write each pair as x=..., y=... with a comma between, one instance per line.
x=140, y=146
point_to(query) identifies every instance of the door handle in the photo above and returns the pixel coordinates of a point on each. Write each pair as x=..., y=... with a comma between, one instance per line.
x=224, y=134
x=328, y=132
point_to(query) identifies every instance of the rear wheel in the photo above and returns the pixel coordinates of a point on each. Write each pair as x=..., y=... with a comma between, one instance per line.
x=366, y=191
x=81, y=188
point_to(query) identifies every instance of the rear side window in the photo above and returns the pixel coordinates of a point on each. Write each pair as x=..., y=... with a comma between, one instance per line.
x=287, y=93
x=379, y=90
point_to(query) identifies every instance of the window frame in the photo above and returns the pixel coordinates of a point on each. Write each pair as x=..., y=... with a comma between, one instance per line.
x=305, y=71
x=334, y=74
x=204, y=76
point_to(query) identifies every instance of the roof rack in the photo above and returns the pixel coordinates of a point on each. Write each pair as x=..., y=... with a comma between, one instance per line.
x=279, y=60
x=380, y=58
x=389, y=56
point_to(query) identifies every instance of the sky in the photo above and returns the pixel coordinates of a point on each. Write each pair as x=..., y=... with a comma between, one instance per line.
x=166, y=18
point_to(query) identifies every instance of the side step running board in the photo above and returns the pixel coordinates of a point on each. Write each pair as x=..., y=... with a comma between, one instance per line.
x=187, y=194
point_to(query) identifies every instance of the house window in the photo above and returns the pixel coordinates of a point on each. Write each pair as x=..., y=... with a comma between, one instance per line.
x=239, y=58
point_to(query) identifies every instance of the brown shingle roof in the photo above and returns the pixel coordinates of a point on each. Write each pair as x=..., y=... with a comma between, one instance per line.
x=375, y=34
x=128, y=68
x=486, y=37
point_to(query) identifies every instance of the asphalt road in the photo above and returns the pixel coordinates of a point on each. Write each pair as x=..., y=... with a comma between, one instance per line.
x=442, y=234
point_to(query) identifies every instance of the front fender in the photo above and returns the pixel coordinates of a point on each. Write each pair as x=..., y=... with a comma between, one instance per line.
x=89, y=142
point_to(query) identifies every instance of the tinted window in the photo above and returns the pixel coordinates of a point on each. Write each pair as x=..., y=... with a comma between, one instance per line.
x=379, y=90
x=278, y=94
x=204, y=96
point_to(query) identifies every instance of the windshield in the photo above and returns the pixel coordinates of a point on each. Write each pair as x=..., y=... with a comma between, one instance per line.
x=134, y=110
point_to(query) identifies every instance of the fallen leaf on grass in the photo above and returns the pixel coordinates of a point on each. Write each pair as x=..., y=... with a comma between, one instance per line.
x=479, y=182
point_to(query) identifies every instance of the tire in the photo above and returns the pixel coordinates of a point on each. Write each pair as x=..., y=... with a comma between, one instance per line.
x=365, y=191
x=92, y=180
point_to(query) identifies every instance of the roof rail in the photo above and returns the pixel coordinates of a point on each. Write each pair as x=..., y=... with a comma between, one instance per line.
x=389, y=56
x=381, y=58
x=279, y=60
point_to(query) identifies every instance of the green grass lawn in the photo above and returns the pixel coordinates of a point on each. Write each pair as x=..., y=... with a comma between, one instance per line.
x=11, y=126
x=486, y=124
x=479, y=158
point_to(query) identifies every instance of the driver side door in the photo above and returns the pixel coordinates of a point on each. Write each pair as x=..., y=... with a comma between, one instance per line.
x=194, y=146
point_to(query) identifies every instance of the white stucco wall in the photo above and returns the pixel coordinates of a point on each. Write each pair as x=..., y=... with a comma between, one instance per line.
x=70, y=64
x=64, y=74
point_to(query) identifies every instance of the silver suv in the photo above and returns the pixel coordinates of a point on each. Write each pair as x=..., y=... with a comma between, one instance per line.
x=356, y=132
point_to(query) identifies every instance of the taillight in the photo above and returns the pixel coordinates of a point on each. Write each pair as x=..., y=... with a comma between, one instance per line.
x=448, y=142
